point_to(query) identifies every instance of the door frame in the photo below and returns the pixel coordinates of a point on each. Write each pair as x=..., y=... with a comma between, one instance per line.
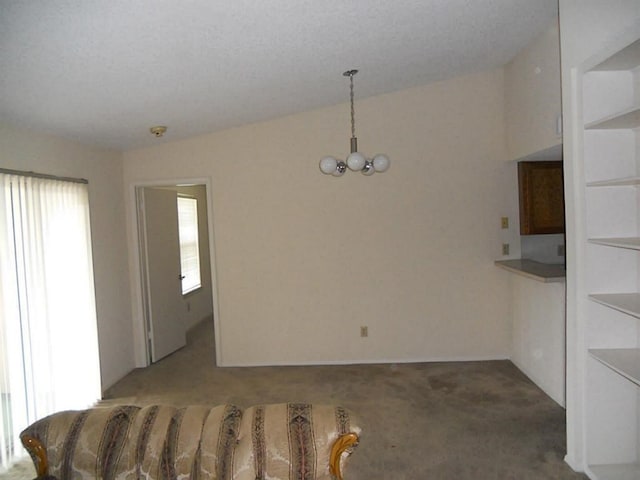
x=140, y=340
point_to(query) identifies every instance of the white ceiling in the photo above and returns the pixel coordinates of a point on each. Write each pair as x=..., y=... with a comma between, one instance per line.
x=102, y=72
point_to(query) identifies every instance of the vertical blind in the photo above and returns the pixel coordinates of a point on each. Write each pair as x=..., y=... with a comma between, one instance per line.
x=189, y=249
x=48, y=333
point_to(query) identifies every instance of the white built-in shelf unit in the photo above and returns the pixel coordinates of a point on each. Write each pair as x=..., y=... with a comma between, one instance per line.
x=611, y=323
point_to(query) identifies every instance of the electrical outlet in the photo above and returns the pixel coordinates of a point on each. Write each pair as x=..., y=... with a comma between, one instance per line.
x=504, y=222
x=364, y=331
x=505, y=249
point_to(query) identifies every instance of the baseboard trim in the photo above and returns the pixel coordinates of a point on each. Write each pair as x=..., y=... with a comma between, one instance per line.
x=382, y=361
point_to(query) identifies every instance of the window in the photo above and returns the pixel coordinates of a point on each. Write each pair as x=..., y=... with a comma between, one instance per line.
x=48, y=333
x=189, y=250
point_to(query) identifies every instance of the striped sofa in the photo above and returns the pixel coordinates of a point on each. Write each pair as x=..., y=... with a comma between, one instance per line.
x=265, y=442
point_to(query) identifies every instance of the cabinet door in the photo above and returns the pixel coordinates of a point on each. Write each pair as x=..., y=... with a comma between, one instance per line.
x=541, y=197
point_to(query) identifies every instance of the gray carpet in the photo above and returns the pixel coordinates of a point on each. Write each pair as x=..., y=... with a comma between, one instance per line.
x=468, y=420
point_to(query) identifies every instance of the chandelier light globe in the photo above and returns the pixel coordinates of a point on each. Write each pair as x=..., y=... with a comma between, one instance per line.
x=328, y=165
x=381, y=163
x=356, y=161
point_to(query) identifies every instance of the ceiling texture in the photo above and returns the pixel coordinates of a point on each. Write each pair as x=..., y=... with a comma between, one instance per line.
x=102, y=72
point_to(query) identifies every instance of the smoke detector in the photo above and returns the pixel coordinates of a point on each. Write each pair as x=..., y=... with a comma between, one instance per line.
x=158, y=131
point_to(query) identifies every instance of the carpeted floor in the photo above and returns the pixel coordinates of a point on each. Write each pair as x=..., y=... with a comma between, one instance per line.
x=441, y=421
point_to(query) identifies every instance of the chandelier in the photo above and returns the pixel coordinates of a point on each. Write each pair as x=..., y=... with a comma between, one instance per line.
x=355, y=161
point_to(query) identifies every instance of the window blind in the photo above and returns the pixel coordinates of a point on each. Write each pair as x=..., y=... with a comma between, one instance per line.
x=48, y=334
x=189, y=248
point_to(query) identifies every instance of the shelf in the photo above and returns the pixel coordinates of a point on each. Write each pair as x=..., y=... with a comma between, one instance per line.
x=608, y=439
x=626, y=59
x=624, y=361
x=616, y=182
x=542, y=272
x=629, y=118
x=621, y=242
x=628, y=303
x=621, y=471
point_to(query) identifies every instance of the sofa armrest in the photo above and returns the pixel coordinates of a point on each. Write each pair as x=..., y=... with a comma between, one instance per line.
x=343, y=444
x=38, y=454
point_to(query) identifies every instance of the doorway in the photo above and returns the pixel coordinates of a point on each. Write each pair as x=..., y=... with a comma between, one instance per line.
x=166, y=314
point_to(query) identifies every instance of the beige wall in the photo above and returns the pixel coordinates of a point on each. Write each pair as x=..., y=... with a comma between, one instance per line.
x=23, y=150
x=303, y=260
x=532, y=97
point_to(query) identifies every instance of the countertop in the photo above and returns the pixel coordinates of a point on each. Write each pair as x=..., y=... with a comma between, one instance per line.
x=542, y=272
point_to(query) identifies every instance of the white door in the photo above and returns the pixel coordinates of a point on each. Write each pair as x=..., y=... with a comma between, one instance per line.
x=161, y=266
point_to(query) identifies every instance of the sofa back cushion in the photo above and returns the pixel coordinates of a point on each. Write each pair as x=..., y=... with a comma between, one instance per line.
x=129, y=442
x=289, y=441
x=86, y=443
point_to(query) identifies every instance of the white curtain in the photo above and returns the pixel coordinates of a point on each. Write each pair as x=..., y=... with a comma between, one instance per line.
x=48, y=334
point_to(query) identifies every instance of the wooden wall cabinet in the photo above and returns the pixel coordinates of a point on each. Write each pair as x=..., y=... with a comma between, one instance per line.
x=541, y=193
